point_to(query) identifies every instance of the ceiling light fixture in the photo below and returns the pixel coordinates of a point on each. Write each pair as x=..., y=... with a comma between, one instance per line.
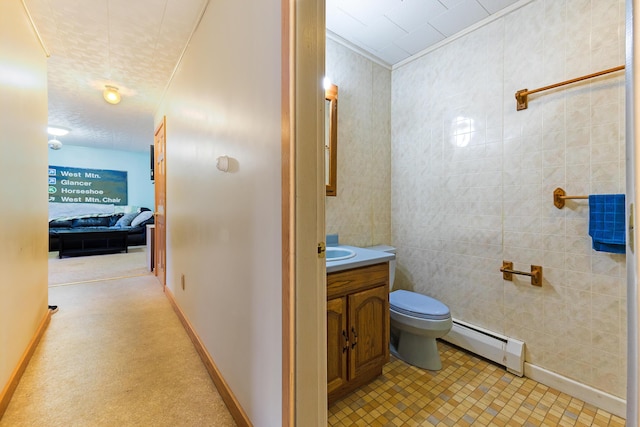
x=57, y=131
x=111, y=94
x=55, y=144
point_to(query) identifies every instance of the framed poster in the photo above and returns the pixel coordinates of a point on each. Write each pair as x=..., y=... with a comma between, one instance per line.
x=80, y=185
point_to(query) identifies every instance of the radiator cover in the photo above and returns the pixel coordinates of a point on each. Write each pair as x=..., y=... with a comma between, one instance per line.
x=503, y=350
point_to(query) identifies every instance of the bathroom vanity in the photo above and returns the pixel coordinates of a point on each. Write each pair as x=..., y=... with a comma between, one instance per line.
x=357, y=325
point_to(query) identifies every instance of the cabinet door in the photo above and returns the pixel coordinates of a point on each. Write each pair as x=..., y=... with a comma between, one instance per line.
x=368, y=330
x=337, y=343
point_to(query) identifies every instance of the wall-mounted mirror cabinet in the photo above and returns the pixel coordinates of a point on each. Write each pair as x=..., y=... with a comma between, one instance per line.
x=331, y=140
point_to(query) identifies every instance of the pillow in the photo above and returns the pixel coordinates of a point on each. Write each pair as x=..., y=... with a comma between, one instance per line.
x=144, y=216
x=113, y=219
x=60, y=223
x=94, y=221
x=126, y=219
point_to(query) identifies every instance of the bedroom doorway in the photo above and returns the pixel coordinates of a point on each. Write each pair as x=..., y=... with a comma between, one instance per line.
x=159, y=250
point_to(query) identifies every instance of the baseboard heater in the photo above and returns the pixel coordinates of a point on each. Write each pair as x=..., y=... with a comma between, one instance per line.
x=500, y=349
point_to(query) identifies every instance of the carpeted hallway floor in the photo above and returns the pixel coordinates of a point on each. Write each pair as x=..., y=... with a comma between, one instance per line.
x=72, y=270
x=115, y=354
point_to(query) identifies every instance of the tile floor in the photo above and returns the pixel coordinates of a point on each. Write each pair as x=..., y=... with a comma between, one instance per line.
x=468, y=391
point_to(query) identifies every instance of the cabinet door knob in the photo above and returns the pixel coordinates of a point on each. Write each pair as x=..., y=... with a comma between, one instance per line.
x=346, y=341
x=355, y=337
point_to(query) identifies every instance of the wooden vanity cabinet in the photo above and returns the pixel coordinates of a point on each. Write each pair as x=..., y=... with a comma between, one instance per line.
x=357, y=327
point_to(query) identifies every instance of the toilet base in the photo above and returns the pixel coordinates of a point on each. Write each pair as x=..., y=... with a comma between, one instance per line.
x=418, y=350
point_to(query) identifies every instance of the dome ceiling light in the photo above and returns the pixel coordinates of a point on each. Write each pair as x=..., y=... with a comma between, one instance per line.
x=55, y=144
x=111, y=94
x=57, y=131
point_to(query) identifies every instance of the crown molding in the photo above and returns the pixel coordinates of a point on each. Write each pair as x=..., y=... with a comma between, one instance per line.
x=357, y=49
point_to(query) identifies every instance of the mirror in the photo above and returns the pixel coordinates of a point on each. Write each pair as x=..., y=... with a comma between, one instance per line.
x=331, y=139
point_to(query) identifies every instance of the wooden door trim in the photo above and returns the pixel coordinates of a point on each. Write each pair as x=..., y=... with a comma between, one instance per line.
x=161, y=127
x=14, y=379
x=233, y=405
x=288, y=224
x=303, y=277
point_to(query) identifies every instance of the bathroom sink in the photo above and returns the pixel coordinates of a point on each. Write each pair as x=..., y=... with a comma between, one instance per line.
x=337, y=254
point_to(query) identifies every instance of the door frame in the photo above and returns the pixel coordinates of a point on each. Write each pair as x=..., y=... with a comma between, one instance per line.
x=632, y=187
x=304, y=342
x=160, y=174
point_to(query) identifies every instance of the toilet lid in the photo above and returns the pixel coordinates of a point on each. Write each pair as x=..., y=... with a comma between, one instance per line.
x=418, y=305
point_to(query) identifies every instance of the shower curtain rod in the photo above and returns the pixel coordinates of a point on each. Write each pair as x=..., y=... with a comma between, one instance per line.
x=521, y=96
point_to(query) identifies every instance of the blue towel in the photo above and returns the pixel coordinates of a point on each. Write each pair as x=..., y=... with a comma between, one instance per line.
x=606, y=223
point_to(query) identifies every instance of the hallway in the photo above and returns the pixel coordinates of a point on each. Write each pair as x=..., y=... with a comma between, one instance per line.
x=115, y=354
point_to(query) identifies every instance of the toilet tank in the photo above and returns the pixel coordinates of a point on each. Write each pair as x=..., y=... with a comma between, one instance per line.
x=392, y=263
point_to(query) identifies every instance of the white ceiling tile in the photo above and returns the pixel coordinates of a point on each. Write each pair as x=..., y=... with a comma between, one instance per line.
x=392, y=54
x=449, y=4
x=343, y=24
x=461, y=16
x=493, y=6
x=411, y=14
x=367, y=11
x=416, y=40
x=380, y=33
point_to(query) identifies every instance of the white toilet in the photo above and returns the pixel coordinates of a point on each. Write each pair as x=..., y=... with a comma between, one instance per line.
x=416, y=321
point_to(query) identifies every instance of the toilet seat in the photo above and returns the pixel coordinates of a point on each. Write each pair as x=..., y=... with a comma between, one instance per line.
x=418, y=305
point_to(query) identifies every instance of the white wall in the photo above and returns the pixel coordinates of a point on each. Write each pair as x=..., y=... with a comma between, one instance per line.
x=361, y=211
x=458, y=210
x=224, y=229
x=139, y=185
x=23, y=188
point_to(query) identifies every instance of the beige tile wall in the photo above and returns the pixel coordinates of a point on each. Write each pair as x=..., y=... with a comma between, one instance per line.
x=361, y=213
x=472, y=182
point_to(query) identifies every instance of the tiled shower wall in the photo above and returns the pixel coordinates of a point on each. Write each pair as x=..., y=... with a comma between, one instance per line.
x=360, y=213
x=472, y=182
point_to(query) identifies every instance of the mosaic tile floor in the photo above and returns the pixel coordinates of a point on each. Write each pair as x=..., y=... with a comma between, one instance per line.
x=468, y=391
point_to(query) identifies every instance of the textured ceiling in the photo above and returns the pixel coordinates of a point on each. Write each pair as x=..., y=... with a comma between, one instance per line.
x=131, y=44
x=136, y=44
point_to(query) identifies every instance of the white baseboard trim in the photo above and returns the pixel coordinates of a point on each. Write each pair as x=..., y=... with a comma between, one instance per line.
x=598, y=398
